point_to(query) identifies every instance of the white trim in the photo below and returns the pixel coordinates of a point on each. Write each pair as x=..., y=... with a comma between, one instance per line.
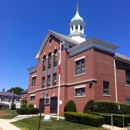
x=79, y=58
x=106, y=95
x=34, y=75
x=79, y=74
x=80, y=96
x=32, y=95
x=127, y=85
x=81, y=86
x=116, y=90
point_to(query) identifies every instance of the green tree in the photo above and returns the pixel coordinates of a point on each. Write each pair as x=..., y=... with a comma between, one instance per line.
x=16, y=90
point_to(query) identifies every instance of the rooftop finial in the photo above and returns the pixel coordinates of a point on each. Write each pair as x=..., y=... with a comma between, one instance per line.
x=77, y=6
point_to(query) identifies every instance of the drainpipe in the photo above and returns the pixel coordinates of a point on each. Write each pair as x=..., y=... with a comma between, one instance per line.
x=116, y=94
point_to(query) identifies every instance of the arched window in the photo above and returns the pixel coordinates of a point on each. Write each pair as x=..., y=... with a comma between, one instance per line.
x=49, y=61
x=127, y=76
x=44, y=62
x=55, y=58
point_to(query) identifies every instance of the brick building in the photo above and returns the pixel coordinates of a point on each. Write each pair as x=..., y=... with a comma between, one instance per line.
x=90, y=69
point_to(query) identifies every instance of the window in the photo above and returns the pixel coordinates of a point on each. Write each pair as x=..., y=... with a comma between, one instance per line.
x=44, y=63
x=106, y=88
x=81, y=28
x=43, y=82
x=54, y=79
x=49, y=61
x=48, y=80
x=55, y=58
x=80, y=66
x=50, y=40
x=33, y=81
x=76, y=27
x=32, y=98
x=127, y=100
x=80, y=91
x=128, y=77
x=72, y=27
x=47, y=101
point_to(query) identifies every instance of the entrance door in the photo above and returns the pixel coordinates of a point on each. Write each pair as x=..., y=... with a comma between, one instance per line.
x=41, y=105
x=53, y=105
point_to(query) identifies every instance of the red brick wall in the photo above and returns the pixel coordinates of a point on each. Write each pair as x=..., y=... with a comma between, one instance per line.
x=98, y=64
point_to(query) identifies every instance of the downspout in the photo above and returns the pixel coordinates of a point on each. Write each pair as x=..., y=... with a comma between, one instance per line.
x=116, y=94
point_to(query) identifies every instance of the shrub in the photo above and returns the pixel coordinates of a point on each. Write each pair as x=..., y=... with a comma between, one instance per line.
x=30, y=106
x=26, y=111
x=23, y=106
x=13, y=106
x=88, y=106
x=111, y=107
x=82, y=118
x=70, y=106
x=117, y=120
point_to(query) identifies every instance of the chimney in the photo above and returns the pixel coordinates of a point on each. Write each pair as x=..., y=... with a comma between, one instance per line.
x=3, y=89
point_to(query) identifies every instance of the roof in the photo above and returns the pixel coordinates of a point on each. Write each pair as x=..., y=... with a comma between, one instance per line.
x=77, y=17
x=92, y=43
x=24, y=91
x=123, y=58
x=61, y=37
x=7, y=94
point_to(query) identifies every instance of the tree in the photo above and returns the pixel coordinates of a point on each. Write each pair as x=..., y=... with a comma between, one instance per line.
x=16, y=90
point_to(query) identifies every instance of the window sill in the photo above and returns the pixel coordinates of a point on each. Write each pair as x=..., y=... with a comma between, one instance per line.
x=33, y=86
x=32, y=101
x=80, y=96
x=127, y=85
x=106, y=95
x=79, y=74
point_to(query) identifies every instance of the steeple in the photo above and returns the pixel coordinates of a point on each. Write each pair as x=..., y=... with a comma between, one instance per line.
x=77, y=27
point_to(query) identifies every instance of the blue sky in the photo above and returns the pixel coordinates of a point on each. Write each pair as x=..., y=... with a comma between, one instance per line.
x=24, y=25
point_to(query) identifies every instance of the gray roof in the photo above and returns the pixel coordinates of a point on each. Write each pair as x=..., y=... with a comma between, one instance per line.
x=61, y=37
x=90, y=43
x=24, y=91
x=7, y=94
x=122, y=58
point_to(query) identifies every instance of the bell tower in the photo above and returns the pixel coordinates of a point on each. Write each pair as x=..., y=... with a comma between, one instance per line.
x=77, y=27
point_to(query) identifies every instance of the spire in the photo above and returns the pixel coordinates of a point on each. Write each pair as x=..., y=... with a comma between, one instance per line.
x=77, y=6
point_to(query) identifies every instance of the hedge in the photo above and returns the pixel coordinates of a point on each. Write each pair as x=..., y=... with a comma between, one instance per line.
x=111, y=107
x=82, y=118
x=27, y=111
x=117, y=120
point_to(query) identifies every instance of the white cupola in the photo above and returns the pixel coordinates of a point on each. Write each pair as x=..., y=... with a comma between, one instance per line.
x=77, y=27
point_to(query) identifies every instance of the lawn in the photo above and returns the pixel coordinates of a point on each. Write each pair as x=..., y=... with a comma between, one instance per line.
x=8, y=114
x=32, y=124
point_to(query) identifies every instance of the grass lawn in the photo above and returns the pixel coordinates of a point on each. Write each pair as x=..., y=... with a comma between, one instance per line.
x=8, y=114
x=32, y=124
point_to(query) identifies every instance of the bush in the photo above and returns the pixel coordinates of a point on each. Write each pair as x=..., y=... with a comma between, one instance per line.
x=70, y=106
x=117, y=120
x=23, y=106
x=13, y=106
x=30, y=106
x=27, y=111
x=111, y=107
x=89, y=106
x=82, y=118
